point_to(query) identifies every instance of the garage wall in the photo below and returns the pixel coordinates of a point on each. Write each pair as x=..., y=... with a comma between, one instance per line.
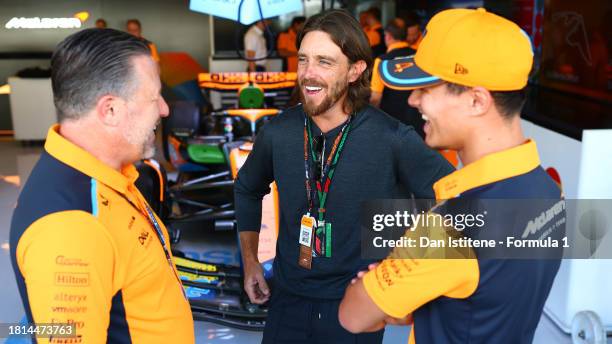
x=168, y=23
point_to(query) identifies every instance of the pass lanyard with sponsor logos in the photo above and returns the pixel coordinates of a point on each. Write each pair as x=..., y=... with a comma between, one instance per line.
x=322, y=237
x=148, y=212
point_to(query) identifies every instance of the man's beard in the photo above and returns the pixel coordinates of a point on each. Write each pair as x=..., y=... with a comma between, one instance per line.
x=143, y=138
x=339, y=89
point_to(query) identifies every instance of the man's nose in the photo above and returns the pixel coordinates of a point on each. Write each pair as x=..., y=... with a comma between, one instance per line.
x=414, y=99
x=308, y=71
x=164, y=110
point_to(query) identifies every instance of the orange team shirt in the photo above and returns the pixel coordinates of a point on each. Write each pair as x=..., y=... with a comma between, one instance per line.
x=372, y=34
x=287, y=41
x=88, y=254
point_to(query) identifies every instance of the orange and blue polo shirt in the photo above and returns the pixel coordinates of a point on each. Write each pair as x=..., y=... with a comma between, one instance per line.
x=476, y=300
x=85, y=252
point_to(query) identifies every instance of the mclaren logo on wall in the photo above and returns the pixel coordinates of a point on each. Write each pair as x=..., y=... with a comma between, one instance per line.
x=48, y=23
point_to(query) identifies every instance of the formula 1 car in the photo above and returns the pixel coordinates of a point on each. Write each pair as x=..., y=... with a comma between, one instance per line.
x=207, y=149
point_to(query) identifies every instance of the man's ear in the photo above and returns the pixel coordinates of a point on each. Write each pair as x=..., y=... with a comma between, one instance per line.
x=356, y=70
x=110, y=109
x=481, y=101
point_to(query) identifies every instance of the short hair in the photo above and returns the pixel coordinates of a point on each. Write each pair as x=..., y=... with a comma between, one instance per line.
x=412, y=19
x=347, y=34
x=101, y=20
x=508, y=103
x=375, y=12
x=92, y=63
x=134, y=21
x=397, y=32
x=298, y=20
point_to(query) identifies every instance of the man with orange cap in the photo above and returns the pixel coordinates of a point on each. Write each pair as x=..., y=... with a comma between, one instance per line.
x=468, y=79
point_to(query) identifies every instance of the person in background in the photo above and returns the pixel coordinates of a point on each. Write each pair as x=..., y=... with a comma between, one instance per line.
x=389, y=100
x=286, y=44
x=255, y=47
x=399, y=21
x=134, y=28
x=414, y=35
x=101, y=23
x=363, y=19
x=374, y=31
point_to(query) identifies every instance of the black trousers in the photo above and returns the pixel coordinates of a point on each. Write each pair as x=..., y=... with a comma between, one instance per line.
x=295, y=320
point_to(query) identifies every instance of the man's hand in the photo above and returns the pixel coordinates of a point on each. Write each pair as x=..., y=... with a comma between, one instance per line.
x=255, y=284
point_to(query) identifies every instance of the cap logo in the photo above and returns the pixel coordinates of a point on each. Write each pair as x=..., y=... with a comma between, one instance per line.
x=459, y=69
x=401, y=66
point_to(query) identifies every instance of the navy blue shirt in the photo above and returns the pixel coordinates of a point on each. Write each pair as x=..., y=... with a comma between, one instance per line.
x=508, y=301
x=381, y=159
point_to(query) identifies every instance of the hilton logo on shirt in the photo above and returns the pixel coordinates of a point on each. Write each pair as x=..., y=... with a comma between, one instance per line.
x=71, y=279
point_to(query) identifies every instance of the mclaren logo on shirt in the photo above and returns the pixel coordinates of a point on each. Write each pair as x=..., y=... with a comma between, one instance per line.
x=546, y=217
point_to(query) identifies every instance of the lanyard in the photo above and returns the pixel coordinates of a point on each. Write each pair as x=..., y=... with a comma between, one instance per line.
x=328, y=169
x=148, y=212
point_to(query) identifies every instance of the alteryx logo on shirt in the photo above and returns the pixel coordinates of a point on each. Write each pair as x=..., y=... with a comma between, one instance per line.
x=75, y=22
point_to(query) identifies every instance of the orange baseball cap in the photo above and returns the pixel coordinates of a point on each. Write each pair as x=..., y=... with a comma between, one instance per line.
x=466, y=47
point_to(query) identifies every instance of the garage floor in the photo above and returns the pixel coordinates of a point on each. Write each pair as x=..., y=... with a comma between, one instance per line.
x=15, y=165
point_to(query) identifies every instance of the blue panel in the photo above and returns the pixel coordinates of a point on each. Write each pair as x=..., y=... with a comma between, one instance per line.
x=249, y=11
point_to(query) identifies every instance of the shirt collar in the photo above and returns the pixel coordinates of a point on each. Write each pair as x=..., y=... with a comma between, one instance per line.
x=397, y=45
x=489, y=169
x=79, y=159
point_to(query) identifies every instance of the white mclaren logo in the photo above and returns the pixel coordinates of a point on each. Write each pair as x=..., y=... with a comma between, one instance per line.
x=48, y=23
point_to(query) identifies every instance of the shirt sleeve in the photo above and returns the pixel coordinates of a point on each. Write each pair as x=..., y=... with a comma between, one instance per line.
x=376, y=84
x=283, y=41
x=400, y=286
x=373, y=37
x=67, y=260
x=418, y=166
x=253, y=182
x=250, y=41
